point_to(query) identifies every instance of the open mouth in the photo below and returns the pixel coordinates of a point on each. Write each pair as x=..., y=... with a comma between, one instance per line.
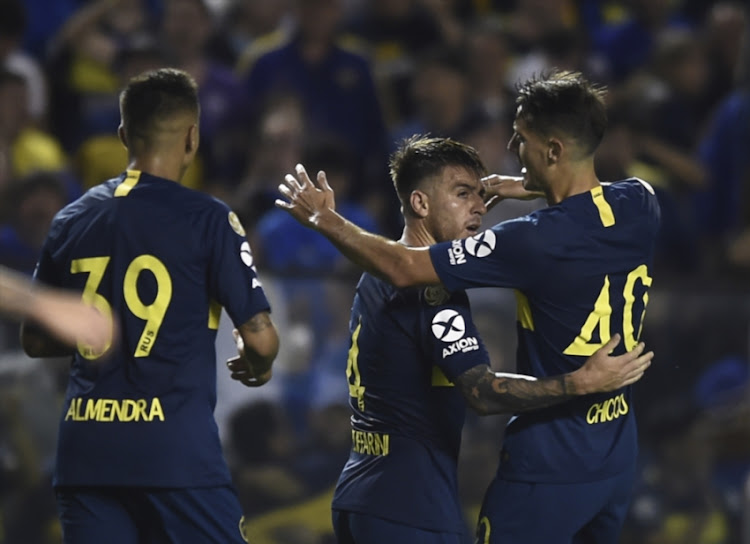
x=473, y=229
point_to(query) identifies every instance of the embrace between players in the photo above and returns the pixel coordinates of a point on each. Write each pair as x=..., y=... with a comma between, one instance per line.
x=580, y=268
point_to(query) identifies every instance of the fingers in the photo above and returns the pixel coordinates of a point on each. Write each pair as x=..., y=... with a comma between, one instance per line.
x=303, y=177
x=323, y=181
x=610, y=346
x=639, y=367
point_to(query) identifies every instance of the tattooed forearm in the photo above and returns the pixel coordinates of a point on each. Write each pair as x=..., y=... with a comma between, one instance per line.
x=259, y=322
x=261, y=342
x=491, y=393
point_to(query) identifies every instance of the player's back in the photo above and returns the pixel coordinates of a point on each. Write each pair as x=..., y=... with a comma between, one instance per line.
x=150, y=251
x=407, y=416
x=589, y=276
x=581, y=270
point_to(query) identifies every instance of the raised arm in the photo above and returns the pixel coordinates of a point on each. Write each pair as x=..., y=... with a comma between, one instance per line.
x=315, y=207
x=257, y=345
x=489, y=392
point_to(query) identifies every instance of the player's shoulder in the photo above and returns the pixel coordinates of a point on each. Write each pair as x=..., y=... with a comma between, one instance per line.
x=633, y=195
x=92, y=198
x=629, y=186
x=520, y=230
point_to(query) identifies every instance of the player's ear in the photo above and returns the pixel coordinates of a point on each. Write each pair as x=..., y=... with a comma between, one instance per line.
x=554, y=150
x=121, y=134
x=191, y=140
x=419, y=203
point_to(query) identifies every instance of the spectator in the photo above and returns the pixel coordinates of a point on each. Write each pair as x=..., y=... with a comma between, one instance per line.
x=334, y=85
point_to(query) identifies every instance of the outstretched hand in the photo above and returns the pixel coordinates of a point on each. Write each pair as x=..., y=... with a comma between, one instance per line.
x=304, y=200
x=602, y=372
x=498, y=188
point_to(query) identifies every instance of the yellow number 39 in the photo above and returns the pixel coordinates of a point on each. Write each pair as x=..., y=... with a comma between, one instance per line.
x=153, y=314
x=602, y=312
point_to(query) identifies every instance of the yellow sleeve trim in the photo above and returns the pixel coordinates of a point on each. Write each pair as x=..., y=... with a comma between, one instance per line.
x=128, y=183
x=214, y=314
x=605, y=210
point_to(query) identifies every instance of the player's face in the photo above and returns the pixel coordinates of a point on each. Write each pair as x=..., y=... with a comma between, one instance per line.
x=456, y=204
x=531, y=151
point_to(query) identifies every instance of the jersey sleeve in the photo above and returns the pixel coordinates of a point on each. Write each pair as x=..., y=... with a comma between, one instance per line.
x=47, y=269
x=507, y=255
x=233, y=279
x=451, y=338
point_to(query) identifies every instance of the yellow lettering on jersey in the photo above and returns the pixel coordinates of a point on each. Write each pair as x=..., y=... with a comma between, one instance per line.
x=131, y=178
x=214, y=315
x=523, y=311
x=105, y=410
x=439, y=379
x=608, y=410
x=605, y=210
x=371, y=443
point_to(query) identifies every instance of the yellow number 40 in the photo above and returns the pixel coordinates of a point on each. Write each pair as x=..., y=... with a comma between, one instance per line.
x=599, y=318
x=153, y=314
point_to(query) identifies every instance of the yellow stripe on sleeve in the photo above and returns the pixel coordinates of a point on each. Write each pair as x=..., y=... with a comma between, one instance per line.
x=605, y=210
x=128, y=183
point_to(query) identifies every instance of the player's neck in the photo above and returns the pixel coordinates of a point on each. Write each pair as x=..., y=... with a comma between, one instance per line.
x=573, y=180
x=416, y=237
x=158, y=165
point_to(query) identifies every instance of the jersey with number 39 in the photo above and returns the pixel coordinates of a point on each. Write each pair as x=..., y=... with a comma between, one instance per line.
x=163, y=259
x=582, y=271
x=407, y=346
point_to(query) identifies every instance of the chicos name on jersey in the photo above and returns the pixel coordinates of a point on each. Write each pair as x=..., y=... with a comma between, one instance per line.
x=106, y=410
x=463, y=345
x=608, y=410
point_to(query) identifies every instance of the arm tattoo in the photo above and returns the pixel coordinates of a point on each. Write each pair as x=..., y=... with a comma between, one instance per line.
x=490, y=393
x=259, y=322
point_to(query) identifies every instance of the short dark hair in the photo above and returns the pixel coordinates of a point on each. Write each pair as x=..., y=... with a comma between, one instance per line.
x=155, y=96
x=420, y=157
x=564, y=103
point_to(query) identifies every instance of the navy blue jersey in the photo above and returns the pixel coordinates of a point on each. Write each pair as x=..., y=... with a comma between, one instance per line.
x=163, y=259
x=407, y=346
x=581, y=270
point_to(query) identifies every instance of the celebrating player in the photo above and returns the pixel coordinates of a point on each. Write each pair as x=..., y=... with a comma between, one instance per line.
x=582, y=270
x=408, y=348
x=138, y=457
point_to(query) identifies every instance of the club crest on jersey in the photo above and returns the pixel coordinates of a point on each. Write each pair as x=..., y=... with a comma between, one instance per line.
x=481, y=245
x=456, y=253
x=235, y=223
x=436, y=295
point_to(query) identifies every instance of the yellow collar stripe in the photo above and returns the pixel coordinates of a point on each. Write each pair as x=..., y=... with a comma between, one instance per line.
x=128, y=183
x=605, y=210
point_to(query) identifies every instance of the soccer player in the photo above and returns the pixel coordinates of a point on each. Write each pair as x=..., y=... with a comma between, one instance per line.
x=581, y=268
x=409, y=346
x=61, y=313
x=138, y=456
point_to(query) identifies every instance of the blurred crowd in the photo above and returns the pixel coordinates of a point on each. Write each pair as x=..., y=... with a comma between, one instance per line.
x=335, y=85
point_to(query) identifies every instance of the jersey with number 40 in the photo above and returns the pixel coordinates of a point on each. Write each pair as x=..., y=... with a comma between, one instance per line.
x=581, y=270
x=163, y=259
